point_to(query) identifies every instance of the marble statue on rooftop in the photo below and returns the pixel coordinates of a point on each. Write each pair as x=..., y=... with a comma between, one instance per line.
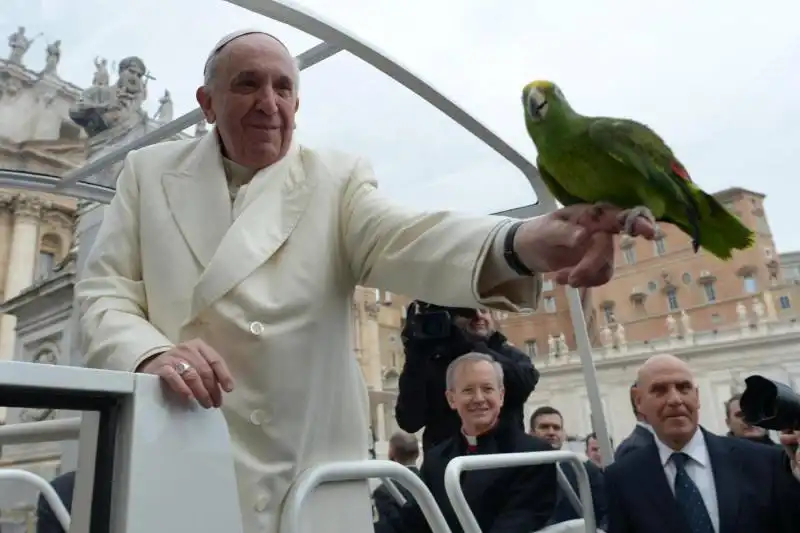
x=19, y=44
x=53, y=57
x=102, y=107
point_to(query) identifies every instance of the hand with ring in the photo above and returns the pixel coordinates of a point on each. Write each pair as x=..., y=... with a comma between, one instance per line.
x=193, y=369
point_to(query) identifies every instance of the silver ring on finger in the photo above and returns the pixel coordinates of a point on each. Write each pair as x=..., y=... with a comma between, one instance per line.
x=181, y=367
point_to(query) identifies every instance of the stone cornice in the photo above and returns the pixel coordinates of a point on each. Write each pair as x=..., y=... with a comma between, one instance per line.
x=57, y=156
x=28, y=207
x=36, y=209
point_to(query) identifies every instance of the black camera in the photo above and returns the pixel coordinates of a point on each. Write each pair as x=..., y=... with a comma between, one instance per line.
x=770, y=405
x=433, y=322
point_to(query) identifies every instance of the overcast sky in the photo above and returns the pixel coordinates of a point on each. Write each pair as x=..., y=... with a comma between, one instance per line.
x=719, y=79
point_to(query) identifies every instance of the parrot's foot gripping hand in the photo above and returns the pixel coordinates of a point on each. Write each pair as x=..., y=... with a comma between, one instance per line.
x=631, y=215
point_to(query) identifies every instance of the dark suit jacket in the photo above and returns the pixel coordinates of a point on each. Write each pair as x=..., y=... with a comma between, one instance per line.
x=46, y=521
x=639, y=438
x=564, y=509
x=503, y=500
x=385, y=503
x=756, y=491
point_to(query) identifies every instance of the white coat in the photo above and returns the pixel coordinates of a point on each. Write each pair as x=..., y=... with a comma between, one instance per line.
x=272, y=293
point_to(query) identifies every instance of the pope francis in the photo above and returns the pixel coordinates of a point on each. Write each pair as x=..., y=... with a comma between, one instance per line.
x=227, y=266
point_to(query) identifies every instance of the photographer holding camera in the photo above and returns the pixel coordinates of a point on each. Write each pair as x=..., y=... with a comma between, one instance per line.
x=432, y=337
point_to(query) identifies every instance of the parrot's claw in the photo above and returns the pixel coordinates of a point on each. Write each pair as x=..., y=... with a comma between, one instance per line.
x=599, y=208
x=631, y=215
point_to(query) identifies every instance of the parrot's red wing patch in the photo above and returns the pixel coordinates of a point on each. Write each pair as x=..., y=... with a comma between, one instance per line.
x=681, y=172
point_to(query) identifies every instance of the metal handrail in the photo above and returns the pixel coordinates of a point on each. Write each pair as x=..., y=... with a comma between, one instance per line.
x=573, y=498
x=393, y=490
x=44, y=431
x=48, y=492
x=310, y=479
x=452, y=480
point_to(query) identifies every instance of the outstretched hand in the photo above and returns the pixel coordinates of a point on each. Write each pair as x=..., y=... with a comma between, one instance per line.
x=576, y=242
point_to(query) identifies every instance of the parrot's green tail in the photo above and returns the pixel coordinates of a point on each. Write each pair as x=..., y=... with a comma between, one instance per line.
x=721, y=232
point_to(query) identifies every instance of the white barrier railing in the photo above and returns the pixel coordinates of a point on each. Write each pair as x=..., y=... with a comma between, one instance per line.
x=48, y=492
x=452, y=480
x=312, y=478
x=44, y=431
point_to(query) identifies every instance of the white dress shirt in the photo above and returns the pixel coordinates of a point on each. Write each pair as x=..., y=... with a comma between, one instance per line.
x=699, y=469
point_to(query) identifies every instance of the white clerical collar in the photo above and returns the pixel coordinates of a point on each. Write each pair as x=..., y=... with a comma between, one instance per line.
x=696, y=449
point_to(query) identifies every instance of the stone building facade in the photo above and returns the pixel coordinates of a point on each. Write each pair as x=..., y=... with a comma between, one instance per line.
x=661, y=279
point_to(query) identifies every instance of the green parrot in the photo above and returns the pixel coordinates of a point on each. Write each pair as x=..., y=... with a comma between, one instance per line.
x=625, y=164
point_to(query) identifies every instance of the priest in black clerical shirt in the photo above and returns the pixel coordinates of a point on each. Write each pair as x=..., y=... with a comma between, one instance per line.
x=505, y=500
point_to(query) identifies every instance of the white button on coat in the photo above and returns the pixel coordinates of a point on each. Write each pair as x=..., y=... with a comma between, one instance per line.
x=262, y=501
x=256, y=328
x=258, y=417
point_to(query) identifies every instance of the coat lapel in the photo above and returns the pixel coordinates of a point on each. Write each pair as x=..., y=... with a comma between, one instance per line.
x=275, y=200
x=725, y=480
x=198, y=198
x=655, y=486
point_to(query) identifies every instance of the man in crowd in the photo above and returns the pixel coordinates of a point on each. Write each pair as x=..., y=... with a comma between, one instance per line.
x=548, y=423
x=421, y=400
x=226, y=265
x=403, y=449
x=739, y=428
x=688, y=480
x=504, y=500
x=642, y=434
x=592, y=449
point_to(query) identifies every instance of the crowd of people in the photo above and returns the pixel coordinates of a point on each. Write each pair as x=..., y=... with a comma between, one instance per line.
x=670, y=474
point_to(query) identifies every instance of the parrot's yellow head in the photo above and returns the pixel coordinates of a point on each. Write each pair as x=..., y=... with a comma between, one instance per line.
x=539, y=98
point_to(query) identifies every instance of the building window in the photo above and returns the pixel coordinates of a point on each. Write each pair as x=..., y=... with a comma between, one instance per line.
x=530, y=348
x=784, y=302
x=608, y=313
x=711, y=293
x=749, y=284
x=659, y=246
x=672, y=299
x=549, y=304
x=45, y=264
x=652, y=286
x=547, y=285
x=630, y=256
x=687, y=278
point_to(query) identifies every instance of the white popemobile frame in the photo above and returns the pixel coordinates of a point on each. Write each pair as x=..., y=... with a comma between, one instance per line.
x=335, y=40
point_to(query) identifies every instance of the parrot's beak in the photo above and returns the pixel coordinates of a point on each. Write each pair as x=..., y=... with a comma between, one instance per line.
x=536, y=105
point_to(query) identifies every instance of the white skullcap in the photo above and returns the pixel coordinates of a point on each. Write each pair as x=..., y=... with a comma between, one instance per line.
x=222, y=43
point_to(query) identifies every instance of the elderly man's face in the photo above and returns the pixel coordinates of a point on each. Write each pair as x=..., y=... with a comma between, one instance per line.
x=477, y=396
x=668, y=398
x=252, y=100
